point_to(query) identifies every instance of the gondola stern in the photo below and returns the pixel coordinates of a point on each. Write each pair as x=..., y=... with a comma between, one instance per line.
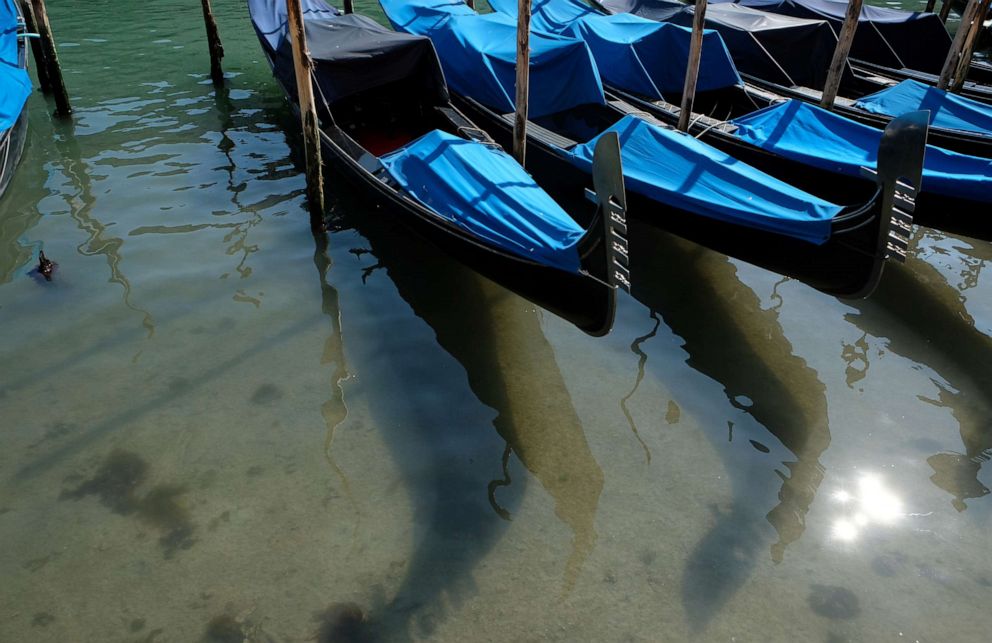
x=610, y=197
x=605, y=251
x=899, y=175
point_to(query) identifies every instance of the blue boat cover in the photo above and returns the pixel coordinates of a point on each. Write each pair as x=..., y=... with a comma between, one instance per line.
x=947, y=110
x=269, y=17
x=634, y=54
x=479, y=55
x=815, y=136
x=484, y=191
x=15, y=84
x=675, y=169
x=896, y=38
x=662, y=164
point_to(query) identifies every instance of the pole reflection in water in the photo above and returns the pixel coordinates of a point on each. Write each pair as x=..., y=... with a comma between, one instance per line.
x=925, y=320
x=496, y=337
x=729, y=337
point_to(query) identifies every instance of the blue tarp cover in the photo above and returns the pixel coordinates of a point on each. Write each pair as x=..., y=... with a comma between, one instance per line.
x=15, y=85
x=820, y=138
x=484, y=191
x=633, y=53
x=676, y=169
x=947, y=110
x=479, y=54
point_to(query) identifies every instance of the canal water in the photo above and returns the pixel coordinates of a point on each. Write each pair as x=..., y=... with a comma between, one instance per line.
x=215, y=427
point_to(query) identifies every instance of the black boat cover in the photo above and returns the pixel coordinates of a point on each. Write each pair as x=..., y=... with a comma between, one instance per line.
x=763, y=45
x=351, y=53
x=889, y=37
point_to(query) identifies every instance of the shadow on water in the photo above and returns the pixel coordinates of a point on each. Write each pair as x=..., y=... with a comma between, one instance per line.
x=925, y=320
x=730, y=338
x=497, y=338
x=77, y=174
x=80, y=205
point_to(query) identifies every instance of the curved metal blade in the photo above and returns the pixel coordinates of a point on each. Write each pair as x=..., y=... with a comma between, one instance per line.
x=607, y=180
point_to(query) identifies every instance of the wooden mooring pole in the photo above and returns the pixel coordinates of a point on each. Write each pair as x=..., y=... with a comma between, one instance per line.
x=692, y=69
x=349, y=6
x=523, y=81
x=39, y=53
x=308, y=113
x=945, y=10
x=930, y=5
x=470, y=3
x=213, y=43
x=968, y=19
x=964, y=62
x=839, y=62
x=51, y=59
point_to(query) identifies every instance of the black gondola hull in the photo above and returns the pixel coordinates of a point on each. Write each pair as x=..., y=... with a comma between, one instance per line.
x=847, y=265
x=11, y=149
x=948, y=213
x=583, y=301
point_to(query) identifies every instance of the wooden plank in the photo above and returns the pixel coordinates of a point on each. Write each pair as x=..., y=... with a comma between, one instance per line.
x=213, y=43
x=308, y=113
x=964, y=62
x=61, y=95
x=692, y=69
x=523, y=81
x=39, y=52
x=839, y=62
x=957, y=46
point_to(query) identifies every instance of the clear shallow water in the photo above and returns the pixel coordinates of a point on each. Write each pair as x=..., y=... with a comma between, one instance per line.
x=214, y=425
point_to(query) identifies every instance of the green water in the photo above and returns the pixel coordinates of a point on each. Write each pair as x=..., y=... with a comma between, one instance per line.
x=215, y=427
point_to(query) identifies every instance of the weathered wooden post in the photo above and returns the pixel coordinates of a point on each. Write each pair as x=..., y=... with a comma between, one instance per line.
x=213, y=43
x=523, y=81
x=964, y=62
x=470, y=3
x=692, y=69
x=51, y=59
x=349, y=6
x=839, y=62
x=947, y=73
x=308, y=112
x=945, y=10
x=39, y=53
x=930, y=5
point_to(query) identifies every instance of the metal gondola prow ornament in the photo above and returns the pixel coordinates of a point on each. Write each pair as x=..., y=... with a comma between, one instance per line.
x=611, y=196
x=900, y=175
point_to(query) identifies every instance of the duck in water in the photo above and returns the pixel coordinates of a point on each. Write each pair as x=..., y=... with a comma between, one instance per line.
x=45, y=266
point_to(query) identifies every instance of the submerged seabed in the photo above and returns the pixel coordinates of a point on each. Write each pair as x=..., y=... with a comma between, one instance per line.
x=216, y=428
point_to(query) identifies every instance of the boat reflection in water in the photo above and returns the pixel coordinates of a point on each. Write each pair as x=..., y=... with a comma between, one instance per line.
x=730, y=338
x=925, y=320
x=496, y=336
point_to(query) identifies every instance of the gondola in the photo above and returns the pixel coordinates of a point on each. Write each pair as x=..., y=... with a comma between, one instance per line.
x=891, y=42
x=15, y=87
x=672, y=180
x=763, y=47
x=802, y=144
x=388, y=126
